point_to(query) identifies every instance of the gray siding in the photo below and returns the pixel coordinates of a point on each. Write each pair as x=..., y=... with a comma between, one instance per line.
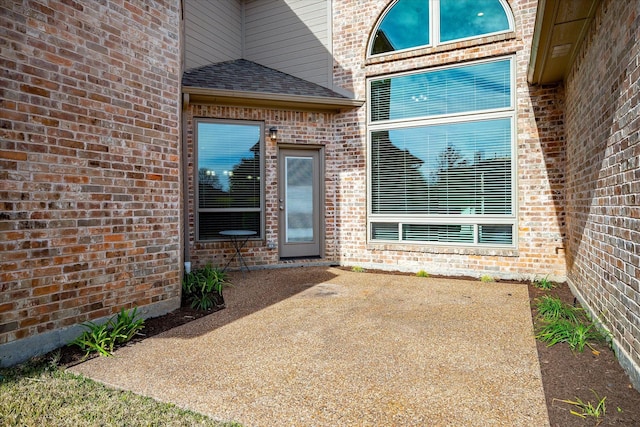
x=292, y=36
x=213, y=32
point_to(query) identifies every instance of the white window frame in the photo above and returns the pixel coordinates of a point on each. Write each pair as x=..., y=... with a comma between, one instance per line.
x=473, y=220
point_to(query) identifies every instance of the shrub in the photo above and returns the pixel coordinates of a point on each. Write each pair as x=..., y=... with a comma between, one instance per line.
x=202, y=288
x=422, y=273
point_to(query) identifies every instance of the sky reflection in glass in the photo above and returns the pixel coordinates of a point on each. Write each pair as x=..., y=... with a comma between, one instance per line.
x=473, y=142
x=461, y=19
x=477, y=87
x=406, y=25
x=222, y=148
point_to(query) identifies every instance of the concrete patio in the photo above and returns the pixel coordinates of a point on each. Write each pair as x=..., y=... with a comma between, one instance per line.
x=320, y=346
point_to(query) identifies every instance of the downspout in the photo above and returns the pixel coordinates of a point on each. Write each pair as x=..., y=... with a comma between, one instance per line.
x=185, y=185
x=184, y=199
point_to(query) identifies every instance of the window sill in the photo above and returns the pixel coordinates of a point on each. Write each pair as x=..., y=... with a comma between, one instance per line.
x=447, y=250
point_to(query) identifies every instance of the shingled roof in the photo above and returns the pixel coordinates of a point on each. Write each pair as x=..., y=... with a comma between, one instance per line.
x=248, y=81
x=246, y=76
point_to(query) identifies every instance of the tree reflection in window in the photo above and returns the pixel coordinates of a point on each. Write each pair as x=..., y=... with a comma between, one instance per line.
x=229, y=178
x=441, y=155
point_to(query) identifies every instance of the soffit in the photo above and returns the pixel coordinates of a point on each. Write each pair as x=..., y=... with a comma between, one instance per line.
x=561, y=25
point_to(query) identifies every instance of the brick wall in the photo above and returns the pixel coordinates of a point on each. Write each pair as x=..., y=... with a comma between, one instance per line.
x=90, y=192
x=603, y=176
x=294, y=128
x=540, y=162
x=540, y=151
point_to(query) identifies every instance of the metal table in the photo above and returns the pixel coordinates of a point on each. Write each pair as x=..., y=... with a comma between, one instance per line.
x=238, y=238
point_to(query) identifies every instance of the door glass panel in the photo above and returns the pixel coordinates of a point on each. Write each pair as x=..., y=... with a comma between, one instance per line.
x=299, y=199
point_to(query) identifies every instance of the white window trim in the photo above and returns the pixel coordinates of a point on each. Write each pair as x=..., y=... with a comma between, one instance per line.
x=475, y=220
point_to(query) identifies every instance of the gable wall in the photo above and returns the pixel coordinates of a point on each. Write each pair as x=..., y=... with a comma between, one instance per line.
x=213, y=32
x=292, y=36
x=603, y=176
x=89, y=157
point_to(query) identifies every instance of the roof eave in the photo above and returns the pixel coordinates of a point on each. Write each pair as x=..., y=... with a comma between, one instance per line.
x=199, y=95
x=560, y=27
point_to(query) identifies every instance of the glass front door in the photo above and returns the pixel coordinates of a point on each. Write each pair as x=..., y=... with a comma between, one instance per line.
x=299, y=203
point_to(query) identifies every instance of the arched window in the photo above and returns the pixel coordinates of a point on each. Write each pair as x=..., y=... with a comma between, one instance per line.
x=442, y=141
x=405, y=25
x=409, y=24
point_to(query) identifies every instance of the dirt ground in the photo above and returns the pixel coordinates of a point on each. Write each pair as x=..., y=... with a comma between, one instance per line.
x=565, y=375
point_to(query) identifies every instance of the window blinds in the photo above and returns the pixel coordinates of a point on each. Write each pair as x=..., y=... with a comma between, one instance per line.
x=441, y=155
x=449, y=91
x=228, y=178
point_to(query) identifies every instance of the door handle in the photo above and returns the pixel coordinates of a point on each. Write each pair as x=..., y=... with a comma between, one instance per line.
x=281, y=207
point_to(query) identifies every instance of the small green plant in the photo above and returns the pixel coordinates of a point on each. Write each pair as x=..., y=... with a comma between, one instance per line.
x=576, y=335
x=552, y=308
x=581, y=336
x=357, y=269
x=564, y=323
x=202, y=288
x=544, y=283
x=96, y=338
x=588, y=409
x=126, y=325
x=422, y=273
x=103, y=338
x=485, y=278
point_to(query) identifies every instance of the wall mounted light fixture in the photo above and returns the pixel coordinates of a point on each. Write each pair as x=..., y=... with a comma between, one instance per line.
x=273, y=133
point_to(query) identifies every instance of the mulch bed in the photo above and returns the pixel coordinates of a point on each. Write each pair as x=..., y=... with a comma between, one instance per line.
x=566, y=375
x=72, y=355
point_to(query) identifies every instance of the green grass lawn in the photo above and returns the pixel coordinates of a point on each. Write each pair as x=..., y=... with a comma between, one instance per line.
x=38, y=393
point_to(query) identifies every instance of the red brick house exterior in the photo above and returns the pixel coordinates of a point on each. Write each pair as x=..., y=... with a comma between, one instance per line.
x=602, y=128
x=100, y=158
x=90, y=195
